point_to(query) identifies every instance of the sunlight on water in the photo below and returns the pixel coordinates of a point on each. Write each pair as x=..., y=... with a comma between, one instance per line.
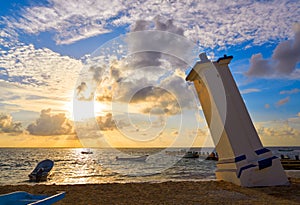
x=71, y=166
x=81, y=166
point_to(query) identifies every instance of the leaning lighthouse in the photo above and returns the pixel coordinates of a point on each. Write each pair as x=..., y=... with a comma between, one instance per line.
x=242, y=158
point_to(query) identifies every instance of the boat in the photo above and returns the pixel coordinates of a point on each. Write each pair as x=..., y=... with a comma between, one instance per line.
x=136, y=159
x=290, y=164
x=212, y=156
x=41, y=171
x=285, y=150
x=191, y=154
x=86, y=152
x=22, y=198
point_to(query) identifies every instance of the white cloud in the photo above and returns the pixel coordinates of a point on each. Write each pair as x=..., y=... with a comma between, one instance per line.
x=27, y=65
x=214, y=23
x=37, y=76
x=49, y=124
x=250, y=90
x=279, y=133
x=8, y=125
x=290, y=92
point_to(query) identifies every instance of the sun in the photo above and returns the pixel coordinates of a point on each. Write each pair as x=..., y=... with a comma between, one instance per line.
x=79, y=110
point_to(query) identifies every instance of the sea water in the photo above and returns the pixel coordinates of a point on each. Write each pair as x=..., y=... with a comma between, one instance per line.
x=71, y=166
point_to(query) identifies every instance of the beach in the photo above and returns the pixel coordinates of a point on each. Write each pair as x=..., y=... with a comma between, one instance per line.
x=184, y=192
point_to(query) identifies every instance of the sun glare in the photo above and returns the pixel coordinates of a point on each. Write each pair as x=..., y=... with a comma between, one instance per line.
x=79, y=110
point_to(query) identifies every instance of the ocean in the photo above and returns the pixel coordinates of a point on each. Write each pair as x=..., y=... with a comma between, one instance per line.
x=73, y=167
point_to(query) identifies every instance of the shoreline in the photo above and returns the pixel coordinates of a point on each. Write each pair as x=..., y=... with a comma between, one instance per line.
x=170, y=192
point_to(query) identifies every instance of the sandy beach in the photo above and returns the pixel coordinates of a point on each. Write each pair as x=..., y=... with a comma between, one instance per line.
x=204, y=192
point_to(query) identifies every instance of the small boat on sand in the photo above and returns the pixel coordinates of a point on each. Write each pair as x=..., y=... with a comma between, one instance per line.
x=41, y=171
x=22, y=198
x=136, y=159
x=191, y=154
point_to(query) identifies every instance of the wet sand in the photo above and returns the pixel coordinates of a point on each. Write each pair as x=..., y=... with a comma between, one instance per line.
x=204, y=192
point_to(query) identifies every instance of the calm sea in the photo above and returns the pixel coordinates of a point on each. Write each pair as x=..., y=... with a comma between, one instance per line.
x=73, y=167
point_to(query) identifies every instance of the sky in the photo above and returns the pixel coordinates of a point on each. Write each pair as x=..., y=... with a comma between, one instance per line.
x=112, y=73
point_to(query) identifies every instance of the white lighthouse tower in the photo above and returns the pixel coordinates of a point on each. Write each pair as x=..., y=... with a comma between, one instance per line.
x=242, y=158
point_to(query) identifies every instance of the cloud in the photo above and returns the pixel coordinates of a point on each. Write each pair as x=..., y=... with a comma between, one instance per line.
x=150, y=53
x=250, y=90
x=36, y=74
x=39, y=67
x=290, y=92
x=279, y=133
x=84, y=93
x=153, y=82
x=283, y=101
x=225, y=23
x=259, y=66
x=50, y=124
x=283, y=61
x=106, y=122
x=156, y=101
x=8, y=125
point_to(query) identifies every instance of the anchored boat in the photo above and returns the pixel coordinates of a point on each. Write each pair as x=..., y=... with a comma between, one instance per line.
x=191, y=154
x=137, y=159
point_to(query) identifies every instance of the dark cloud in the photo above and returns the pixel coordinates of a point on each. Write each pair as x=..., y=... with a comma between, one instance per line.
x=81, y=88
x=49, y=124
x=83, y=93
x=106, y=122
x=156, y=101
x=259, y=66
x=141, y=25
x=150, y=93
x=167, y=26
x=8, y=125
x=283, y=61
x=97, y=72
x=152, y=58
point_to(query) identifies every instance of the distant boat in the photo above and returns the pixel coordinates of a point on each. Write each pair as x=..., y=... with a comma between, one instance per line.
x=212, y=156
x=136, y=159
x=21, y=198
x=191, y=154
x=291, y=164
x=41, y=171
x=86, y=152
x=285, y=150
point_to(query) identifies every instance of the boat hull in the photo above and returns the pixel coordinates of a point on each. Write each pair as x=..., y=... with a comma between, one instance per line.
x=135, y=159
x=290, y=164
x=42, y=171
x=191, y=155
x=22, y=198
